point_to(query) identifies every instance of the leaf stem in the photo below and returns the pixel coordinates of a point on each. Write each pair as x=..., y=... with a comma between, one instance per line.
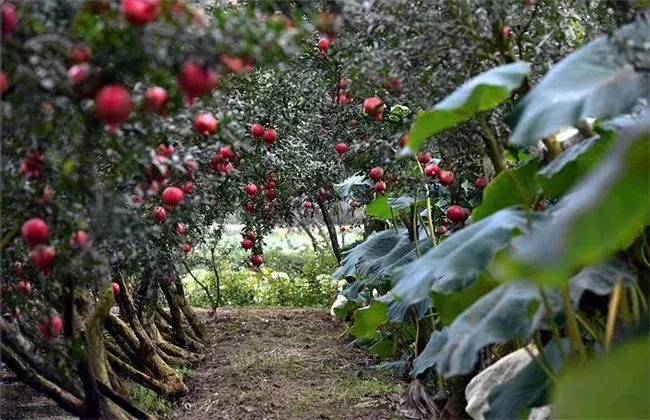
x=614, y=302
x=415, y=229
x=554, y=328
x=429, y=211
x=572, y=326
x=546, y=369
x=492, y=147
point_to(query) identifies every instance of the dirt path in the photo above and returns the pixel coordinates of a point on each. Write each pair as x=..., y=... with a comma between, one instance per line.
x=285, y=364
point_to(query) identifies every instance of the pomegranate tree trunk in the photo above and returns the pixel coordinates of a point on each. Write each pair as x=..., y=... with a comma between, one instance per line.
x=331, y=229
x=190, y=315
x=175, y=312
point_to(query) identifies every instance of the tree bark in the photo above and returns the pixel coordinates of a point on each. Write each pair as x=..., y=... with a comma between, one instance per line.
x=213, y=303
x=175, y=311
x=314, y=241
x=190, y=316
x=456, y=403
x=64, y=399
x=331, y=229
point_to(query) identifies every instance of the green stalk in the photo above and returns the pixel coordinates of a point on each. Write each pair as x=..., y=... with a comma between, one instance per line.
x=572, y=326
x=394, y=219
x=415, y=230
x=589, y=328
x=492, y=147
x=429, y=212
x=554, y=328
x=546, y=369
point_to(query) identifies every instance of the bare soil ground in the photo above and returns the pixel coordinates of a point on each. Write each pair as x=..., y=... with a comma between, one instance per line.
x=261, y=364
x=285, y=364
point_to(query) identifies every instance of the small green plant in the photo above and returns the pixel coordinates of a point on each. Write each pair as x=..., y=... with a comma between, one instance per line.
x=148, y=400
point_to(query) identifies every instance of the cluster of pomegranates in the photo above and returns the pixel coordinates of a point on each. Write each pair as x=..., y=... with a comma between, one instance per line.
x=374, y=107
x=222, y=161
x=343, y=96
x=269, y=135
x=376, y=174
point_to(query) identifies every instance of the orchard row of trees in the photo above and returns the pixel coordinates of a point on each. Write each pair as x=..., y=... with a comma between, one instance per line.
x=133, y=129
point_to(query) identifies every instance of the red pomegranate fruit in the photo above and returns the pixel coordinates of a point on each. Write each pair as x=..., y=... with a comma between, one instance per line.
x=186, y=248
x=140, y=12
x=257, y=260
x=205, y=124
x=42, y=257
x=249, y=207
x=271, y=194
x=172, y=196
x=308, y=204
x=480, y=182
x=116, y=289
x=79, y=238
x=9, y=18
x=424, y=158
x=380, y=186
x=187, y=187
x=373, y=106
x=341, y=148
x=446, y=177
x=160, y=214
x=180, y=228
x=354, y=204
x=257, y=130
x=432, y=170
x=155, y=99
x=35, y=231
x=80, y=54
x=376, y=173
x=323, y=44
x=246, y=243
x=251, y=234
x=250, y=189
x=270, y=135
x=196, y=80
x=457, y=214
x=113, y=105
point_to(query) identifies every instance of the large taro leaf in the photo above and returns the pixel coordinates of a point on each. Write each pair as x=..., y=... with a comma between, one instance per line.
x=510, y=187
x=600, y=215
x=379, y=208
x=400, y=311
x=456, y=263
x=479, y=94
x=612, y=386
x=529, y=388
x=595, y=81
x=366, y=320
x=449, y=306
x=343, y=189
x=503, y=314
x=376, y=245
x=599, y=279
x=563, y=172
x=429, y=355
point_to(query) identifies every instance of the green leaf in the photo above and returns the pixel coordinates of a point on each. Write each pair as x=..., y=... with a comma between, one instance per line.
x=602, y=214
x=479, y=94
x=379, y=208
x=366, y=320
x=502, y=315
x=343, y=189
x=377, y=245
x=563, y=172
x=383, y=348
x=510, y=187
x=450, y=306
x=456, y=263
x=529, y=388
x=614, y=385
x=429, y=355
x=596, y=81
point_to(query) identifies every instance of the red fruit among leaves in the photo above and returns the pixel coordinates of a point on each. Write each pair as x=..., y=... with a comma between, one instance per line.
x=270, y=135
x=80, y=54
x=140, y=12
x=271, y=194
x=57, y=325
x=380, y=186
x=35, y=231
x=376, y=173
x=172, y=196
x=251, y=235
x=17, y=266
x=257, y=260
x=424, y=158
x=187, y=187
x=79, y=238
x=180, y=228
x=246, y=243
x=24, y=287
x=343, y=83
x=116, y=289
x=196, y=80
x=249, y=207
x=506, y=31
x=186, y=248
x=446, y=177
x=224, y=167
x=404, y=140
x=165, y=150
x=373, y=106
x=226, y=152
x=250, y=189
x=9, y=18
x=480, y=182
x=4, y=82
x=113, y=105
x=42, y=257
x=441, y=231
x=308, y=204
x=32, y=164
x=354, y=204
x=341, y=148
x=78, y=74
x=257, y=130
x=205, y=124
x=160, y=214
x=432, y=170
x=323, y=44
x=457, y=214
x=155, y=99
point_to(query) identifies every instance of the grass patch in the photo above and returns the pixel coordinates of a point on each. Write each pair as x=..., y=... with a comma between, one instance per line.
x=147, y=400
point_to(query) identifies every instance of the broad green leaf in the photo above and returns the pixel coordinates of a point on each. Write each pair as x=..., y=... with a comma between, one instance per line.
x=612, y=386
x=450, y=306
x=343, y=189
x=456, y=263
x=399, y=311
x=366, y=320
x=383, y=348
x=479, y=94
x=405, y=201
x=529, y=388
x=510, y=187
x=563, y=172
x=502, y=315
x=379, y=208
x=596, y=81
x=377, y=245
x=429, y=355
x=602, y=214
